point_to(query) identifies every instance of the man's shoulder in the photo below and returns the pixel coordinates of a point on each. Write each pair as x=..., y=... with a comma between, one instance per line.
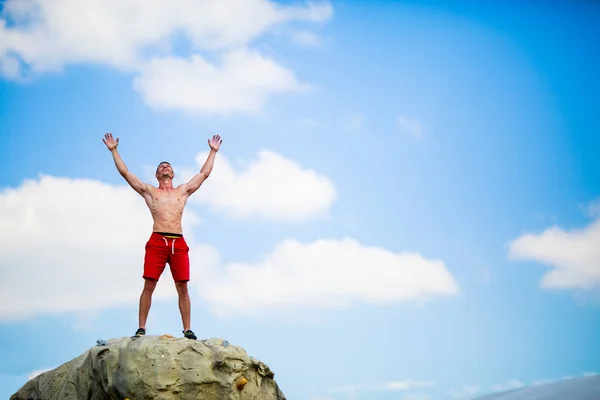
x=181, y=187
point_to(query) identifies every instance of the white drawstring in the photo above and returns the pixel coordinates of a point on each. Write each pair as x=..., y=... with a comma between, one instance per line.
x=172, y=244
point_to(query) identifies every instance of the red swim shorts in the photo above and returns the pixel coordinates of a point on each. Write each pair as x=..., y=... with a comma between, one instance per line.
x=163, y=248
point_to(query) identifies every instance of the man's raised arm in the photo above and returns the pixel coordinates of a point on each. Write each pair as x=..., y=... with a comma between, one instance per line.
x=206, y=169
x=133, y=180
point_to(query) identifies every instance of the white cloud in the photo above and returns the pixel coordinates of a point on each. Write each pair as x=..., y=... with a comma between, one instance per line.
x=44, y=36
x=69, y=245
x=270, y=187
x=466, y=392
x=241, y=83
x=573, y=256
x=327, y=273
x=9, y=66
x=72, y=245
x=410, y=126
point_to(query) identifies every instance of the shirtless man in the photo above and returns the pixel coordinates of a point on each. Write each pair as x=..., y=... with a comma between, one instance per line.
x=166, y=243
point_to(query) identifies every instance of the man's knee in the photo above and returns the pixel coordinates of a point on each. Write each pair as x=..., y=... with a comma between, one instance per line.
x=182, y=287
x=149, y=285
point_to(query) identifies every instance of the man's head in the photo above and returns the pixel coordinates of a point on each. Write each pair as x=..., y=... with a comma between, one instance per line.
x=164, y=170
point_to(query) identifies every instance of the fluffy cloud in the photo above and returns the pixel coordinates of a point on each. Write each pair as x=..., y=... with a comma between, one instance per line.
x=241, y=82
x=140, y=36
x=270, y=187
x=573, y=256
x=410, y=126
x=327, y=273
x=72, y=245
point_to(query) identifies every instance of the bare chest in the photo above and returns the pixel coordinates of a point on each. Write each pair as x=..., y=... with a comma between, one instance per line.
x=167, y=200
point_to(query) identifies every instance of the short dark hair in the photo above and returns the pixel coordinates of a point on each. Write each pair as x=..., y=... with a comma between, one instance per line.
x=163, y=162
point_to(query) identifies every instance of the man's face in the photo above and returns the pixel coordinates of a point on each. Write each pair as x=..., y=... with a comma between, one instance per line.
x=164, y=170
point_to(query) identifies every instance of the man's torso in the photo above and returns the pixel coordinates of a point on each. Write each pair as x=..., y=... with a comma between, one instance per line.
x=166, y=207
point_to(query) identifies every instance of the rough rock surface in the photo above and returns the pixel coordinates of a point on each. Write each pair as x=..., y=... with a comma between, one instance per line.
x=157, y=367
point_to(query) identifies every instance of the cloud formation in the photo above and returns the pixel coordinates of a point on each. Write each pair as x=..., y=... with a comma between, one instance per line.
x=572, y=255
x=66, y=243
x=270, y=187
x=242, y=81
x=75, y=240
x=327, y=273
x=38, y=37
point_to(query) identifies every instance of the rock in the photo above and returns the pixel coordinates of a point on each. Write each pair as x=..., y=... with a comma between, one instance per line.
x=153, y=367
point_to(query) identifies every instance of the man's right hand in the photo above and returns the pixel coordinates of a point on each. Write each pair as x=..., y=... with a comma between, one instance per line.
x=110, y=143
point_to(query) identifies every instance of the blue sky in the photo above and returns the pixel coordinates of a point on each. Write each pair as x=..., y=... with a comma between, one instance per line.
x=405, y=205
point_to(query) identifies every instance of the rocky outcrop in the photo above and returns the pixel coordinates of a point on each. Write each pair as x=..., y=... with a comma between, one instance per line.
x=157, y=367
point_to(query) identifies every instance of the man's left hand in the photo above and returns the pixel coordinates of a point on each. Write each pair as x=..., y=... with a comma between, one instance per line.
x=215, y=143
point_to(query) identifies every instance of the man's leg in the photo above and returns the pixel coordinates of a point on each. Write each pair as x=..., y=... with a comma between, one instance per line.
x=184, y=304
x=155, y=261
x=180, y=269
x=146, y=301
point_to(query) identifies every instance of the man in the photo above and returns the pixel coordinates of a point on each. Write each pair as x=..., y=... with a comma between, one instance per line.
x=166, y=243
